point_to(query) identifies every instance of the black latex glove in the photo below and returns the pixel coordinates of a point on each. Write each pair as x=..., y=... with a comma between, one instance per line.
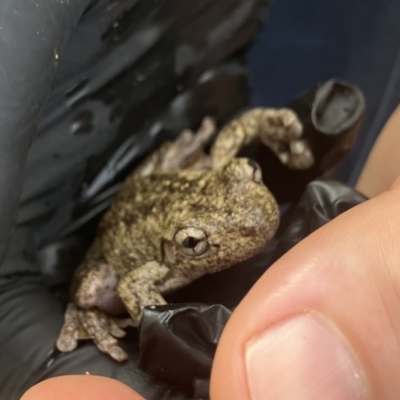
x=127, y=76
x=33, y=35
x=125, y=81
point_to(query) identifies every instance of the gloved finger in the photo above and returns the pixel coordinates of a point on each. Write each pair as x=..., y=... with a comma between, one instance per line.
x=81, y=387
x=323, y=322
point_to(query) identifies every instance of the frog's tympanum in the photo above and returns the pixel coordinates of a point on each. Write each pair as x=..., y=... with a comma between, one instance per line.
x=181, y=214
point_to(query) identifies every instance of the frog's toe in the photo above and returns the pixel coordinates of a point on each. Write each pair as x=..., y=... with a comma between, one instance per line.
x=301, y=155
x=115, y=330
x=66, y=343
x=69, y=335
x=118, y=354
x=295, y=131
x=109, y=346
x=292, y=126
x=101, y=328
x=284, y=157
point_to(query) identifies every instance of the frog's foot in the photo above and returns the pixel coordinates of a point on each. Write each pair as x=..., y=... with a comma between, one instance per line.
x=281, y=131
x=100, y=328
x=188, y=148
x=82, y=324
x=295, y=155
x=280, y=124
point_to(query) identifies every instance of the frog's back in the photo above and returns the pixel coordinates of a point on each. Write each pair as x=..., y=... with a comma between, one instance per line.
x=132, y=229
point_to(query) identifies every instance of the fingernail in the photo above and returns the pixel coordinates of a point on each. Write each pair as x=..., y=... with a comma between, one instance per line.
x=304, y=358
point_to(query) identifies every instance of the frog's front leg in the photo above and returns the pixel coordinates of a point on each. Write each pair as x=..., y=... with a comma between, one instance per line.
x=94, y=297
x=139, y=288
x=278, y=129
x=176, y=282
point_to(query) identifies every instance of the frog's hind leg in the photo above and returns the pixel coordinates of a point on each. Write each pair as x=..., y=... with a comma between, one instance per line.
x=94, y=296
x=192, y=153
x=278, y=129
x=187, y=151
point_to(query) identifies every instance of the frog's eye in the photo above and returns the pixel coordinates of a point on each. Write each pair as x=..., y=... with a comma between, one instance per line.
x=192, y=241
x=255, y=171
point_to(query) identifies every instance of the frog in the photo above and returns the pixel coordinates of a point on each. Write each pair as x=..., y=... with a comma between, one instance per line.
x=181, y=214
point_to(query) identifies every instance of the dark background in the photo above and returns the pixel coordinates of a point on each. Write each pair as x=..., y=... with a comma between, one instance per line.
x=310, y=40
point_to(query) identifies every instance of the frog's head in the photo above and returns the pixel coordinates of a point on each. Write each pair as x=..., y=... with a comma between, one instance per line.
x=230, y=219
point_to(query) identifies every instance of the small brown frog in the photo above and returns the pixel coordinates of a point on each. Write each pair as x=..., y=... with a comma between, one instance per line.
x=181, y=214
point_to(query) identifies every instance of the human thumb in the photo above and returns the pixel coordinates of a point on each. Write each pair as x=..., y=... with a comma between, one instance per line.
x=324, y=321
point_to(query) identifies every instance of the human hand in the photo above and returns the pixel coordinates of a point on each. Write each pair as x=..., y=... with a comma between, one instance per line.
x=323, y=322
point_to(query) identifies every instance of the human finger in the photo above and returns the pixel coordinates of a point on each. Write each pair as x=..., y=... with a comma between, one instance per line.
x=323, y=322
x=81, y=387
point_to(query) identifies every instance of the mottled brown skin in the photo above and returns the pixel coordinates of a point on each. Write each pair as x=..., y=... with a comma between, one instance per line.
x=173, y=221
x=280, y=130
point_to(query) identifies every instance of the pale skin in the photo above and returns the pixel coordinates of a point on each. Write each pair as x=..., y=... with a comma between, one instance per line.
x=383, y=164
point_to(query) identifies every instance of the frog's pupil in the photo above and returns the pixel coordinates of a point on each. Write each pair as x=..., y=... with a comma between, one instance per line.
x=190, y=242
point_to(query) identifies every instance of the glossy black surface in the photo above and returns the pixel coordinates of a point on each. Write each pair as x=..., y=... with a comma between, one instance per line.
x=125, y=77
x=132, y=74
